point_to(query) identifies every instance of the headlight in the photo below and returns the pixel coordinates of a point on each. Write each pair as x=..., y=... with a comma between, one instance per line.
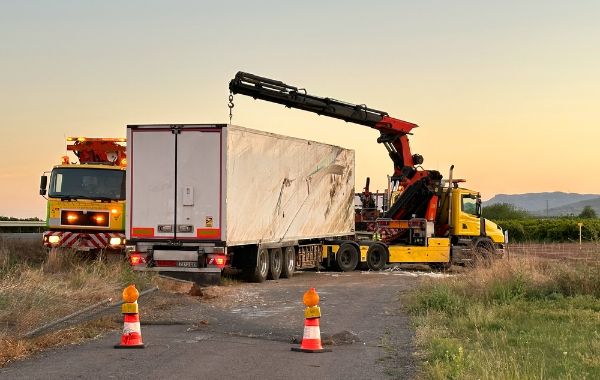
x=53, y=239
x=115, y=240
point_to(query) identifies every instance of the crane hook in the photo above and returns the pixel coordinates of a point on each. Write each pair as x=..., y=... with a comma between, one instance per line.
x=230, y=105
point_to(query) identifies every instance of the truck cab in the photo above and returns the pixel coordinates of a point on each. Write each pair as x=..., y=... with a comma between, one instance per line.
x=472, y=236
x=467, y=220
x=86, y=198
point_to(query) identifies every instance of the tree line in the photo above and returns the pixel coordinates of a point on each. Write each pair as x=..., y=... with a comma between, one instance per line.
x=523, y=227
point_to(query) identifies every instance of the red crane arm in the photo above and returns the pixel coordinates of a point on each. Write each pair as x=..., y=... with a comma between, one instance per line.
x=394, y=132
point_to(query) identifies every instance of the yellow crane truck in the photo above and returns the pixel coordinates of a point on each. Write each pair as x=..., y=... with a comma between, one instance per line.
x=432, y=220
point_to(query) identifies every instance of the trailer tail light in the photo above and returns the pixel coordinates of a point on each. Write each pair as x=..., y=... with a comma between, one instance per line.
x=216, y=260
x=136, y=258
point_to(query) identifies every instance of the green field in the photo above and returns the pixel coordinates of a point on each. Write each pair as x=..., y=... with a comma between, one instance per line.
x=520, y=319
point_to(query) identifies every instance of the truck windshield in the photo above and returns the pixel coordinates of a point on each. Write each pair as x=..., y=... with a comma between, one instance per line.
x=87, y=183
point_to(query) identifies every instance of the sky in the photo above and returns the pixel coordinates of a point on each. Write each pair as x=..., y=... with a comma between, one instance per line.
x=507, y=91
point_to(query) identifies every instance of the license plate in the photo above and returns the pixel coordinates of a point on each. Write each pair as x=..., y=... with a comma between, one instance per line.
x=187, y=264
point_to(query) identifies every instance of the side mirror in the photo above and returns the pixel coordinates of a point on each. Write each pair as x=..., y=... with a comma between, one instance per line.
x=478, y=207
x=43, y=184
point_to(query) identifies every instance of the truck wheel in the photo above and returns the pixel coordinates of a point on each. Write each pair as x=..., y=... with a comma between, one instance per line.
x=347, y=257
x=441, y=267
x=483, y=252
x=289, y=262
x=261, y=269
x=377, y=257
x=275, y=263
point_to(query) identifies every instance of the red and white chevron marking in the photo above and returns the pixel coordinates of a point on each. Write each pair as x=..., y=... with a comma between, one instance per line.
x=82, y=240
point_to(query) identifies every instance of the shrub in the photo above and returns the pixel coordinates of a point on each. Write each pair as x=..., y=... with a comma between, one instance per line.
x=504, y=211
x=551, y=230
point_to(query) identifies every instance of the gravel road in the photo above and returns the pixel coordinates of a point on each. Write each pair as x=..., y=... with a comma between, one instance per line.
x=245, y=331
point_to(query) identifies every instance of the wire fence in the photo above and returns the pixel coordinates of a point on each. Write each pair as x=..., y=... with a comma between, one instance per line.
x=575, y=252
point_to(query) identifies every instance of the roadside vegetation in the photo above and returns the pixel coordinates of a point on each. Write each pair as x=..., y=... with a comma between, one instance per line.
x=35, y=291
x=523, y=227
x=519, y=319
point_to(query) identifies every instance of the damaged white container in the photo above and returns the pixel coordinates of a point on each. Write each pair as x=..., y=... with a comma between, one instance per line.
x=204, y=197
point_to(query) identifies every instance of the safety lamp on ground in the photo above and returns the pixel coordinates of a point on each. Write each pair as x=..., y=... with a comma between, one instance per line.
x=311, y=340
x=132, y=334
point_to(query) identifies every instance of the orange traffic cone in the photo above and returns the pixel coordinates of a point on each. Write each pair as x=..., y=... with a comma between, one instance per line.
x=132, y=333
x=311, y=339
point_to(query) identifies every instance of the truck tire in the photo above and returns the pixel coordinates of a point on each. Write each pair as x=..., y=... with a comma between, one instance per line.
x=441, y=267
x=289, y=262
x=377, y=257
x=259, y=272
x=483, y=252
x=275, y=263
x=346, y=257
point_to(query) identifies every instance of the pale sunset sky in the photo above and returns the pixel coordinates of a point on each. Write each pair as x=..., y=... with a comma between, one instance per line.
x=507, y=91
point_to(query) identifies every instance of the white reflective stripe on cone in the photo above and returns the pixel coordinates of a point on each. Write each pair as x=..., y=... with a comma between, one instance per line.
x=312, y=332
x=129, y=327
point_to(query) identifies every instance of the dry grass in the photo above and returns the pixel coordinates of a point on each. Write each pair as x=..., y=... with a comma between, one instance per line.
x=35, y=291
x=13, y=349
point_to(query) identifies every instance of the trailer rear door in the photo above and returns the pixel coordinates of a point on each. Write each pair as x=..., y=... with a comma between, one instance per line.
x=199, y=183
x=174, y=182
x=151, y=182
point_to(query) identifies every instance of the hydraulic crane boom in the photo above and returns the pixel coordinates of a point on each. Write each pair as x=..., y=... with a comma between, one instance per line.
x=290, y=96
x=393, y=131
x=394, y=134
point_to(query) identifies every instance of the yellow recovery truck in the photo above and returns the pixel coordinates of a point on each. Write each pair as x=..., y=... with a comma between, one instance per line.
x=86, y=199
x=431, y=221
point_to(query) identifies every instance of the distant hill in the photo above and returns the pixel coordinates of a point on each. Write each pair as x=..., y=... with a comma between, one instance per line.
x=574, y=208
x=558, y=203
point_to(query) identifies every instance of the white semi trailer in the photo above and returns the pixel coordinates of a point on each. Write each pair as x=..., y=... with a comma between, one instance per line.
x=205, y=197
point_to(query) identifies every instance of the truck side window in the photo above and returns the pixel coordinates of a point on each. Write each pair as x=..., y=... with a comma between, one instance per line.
x=468, y=205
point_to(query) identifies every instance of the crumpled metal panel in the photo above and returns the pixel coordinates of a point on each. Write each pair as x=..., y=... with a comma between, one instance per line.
x=281, y=188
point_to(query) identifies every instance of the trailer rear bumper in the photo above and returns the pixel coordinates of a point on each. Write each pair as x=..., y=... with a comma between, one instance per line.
x=144, y=268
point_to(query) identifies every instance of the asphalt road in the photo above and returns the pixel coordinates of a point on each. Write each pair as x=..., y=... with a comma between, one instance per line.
x=247, y=330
